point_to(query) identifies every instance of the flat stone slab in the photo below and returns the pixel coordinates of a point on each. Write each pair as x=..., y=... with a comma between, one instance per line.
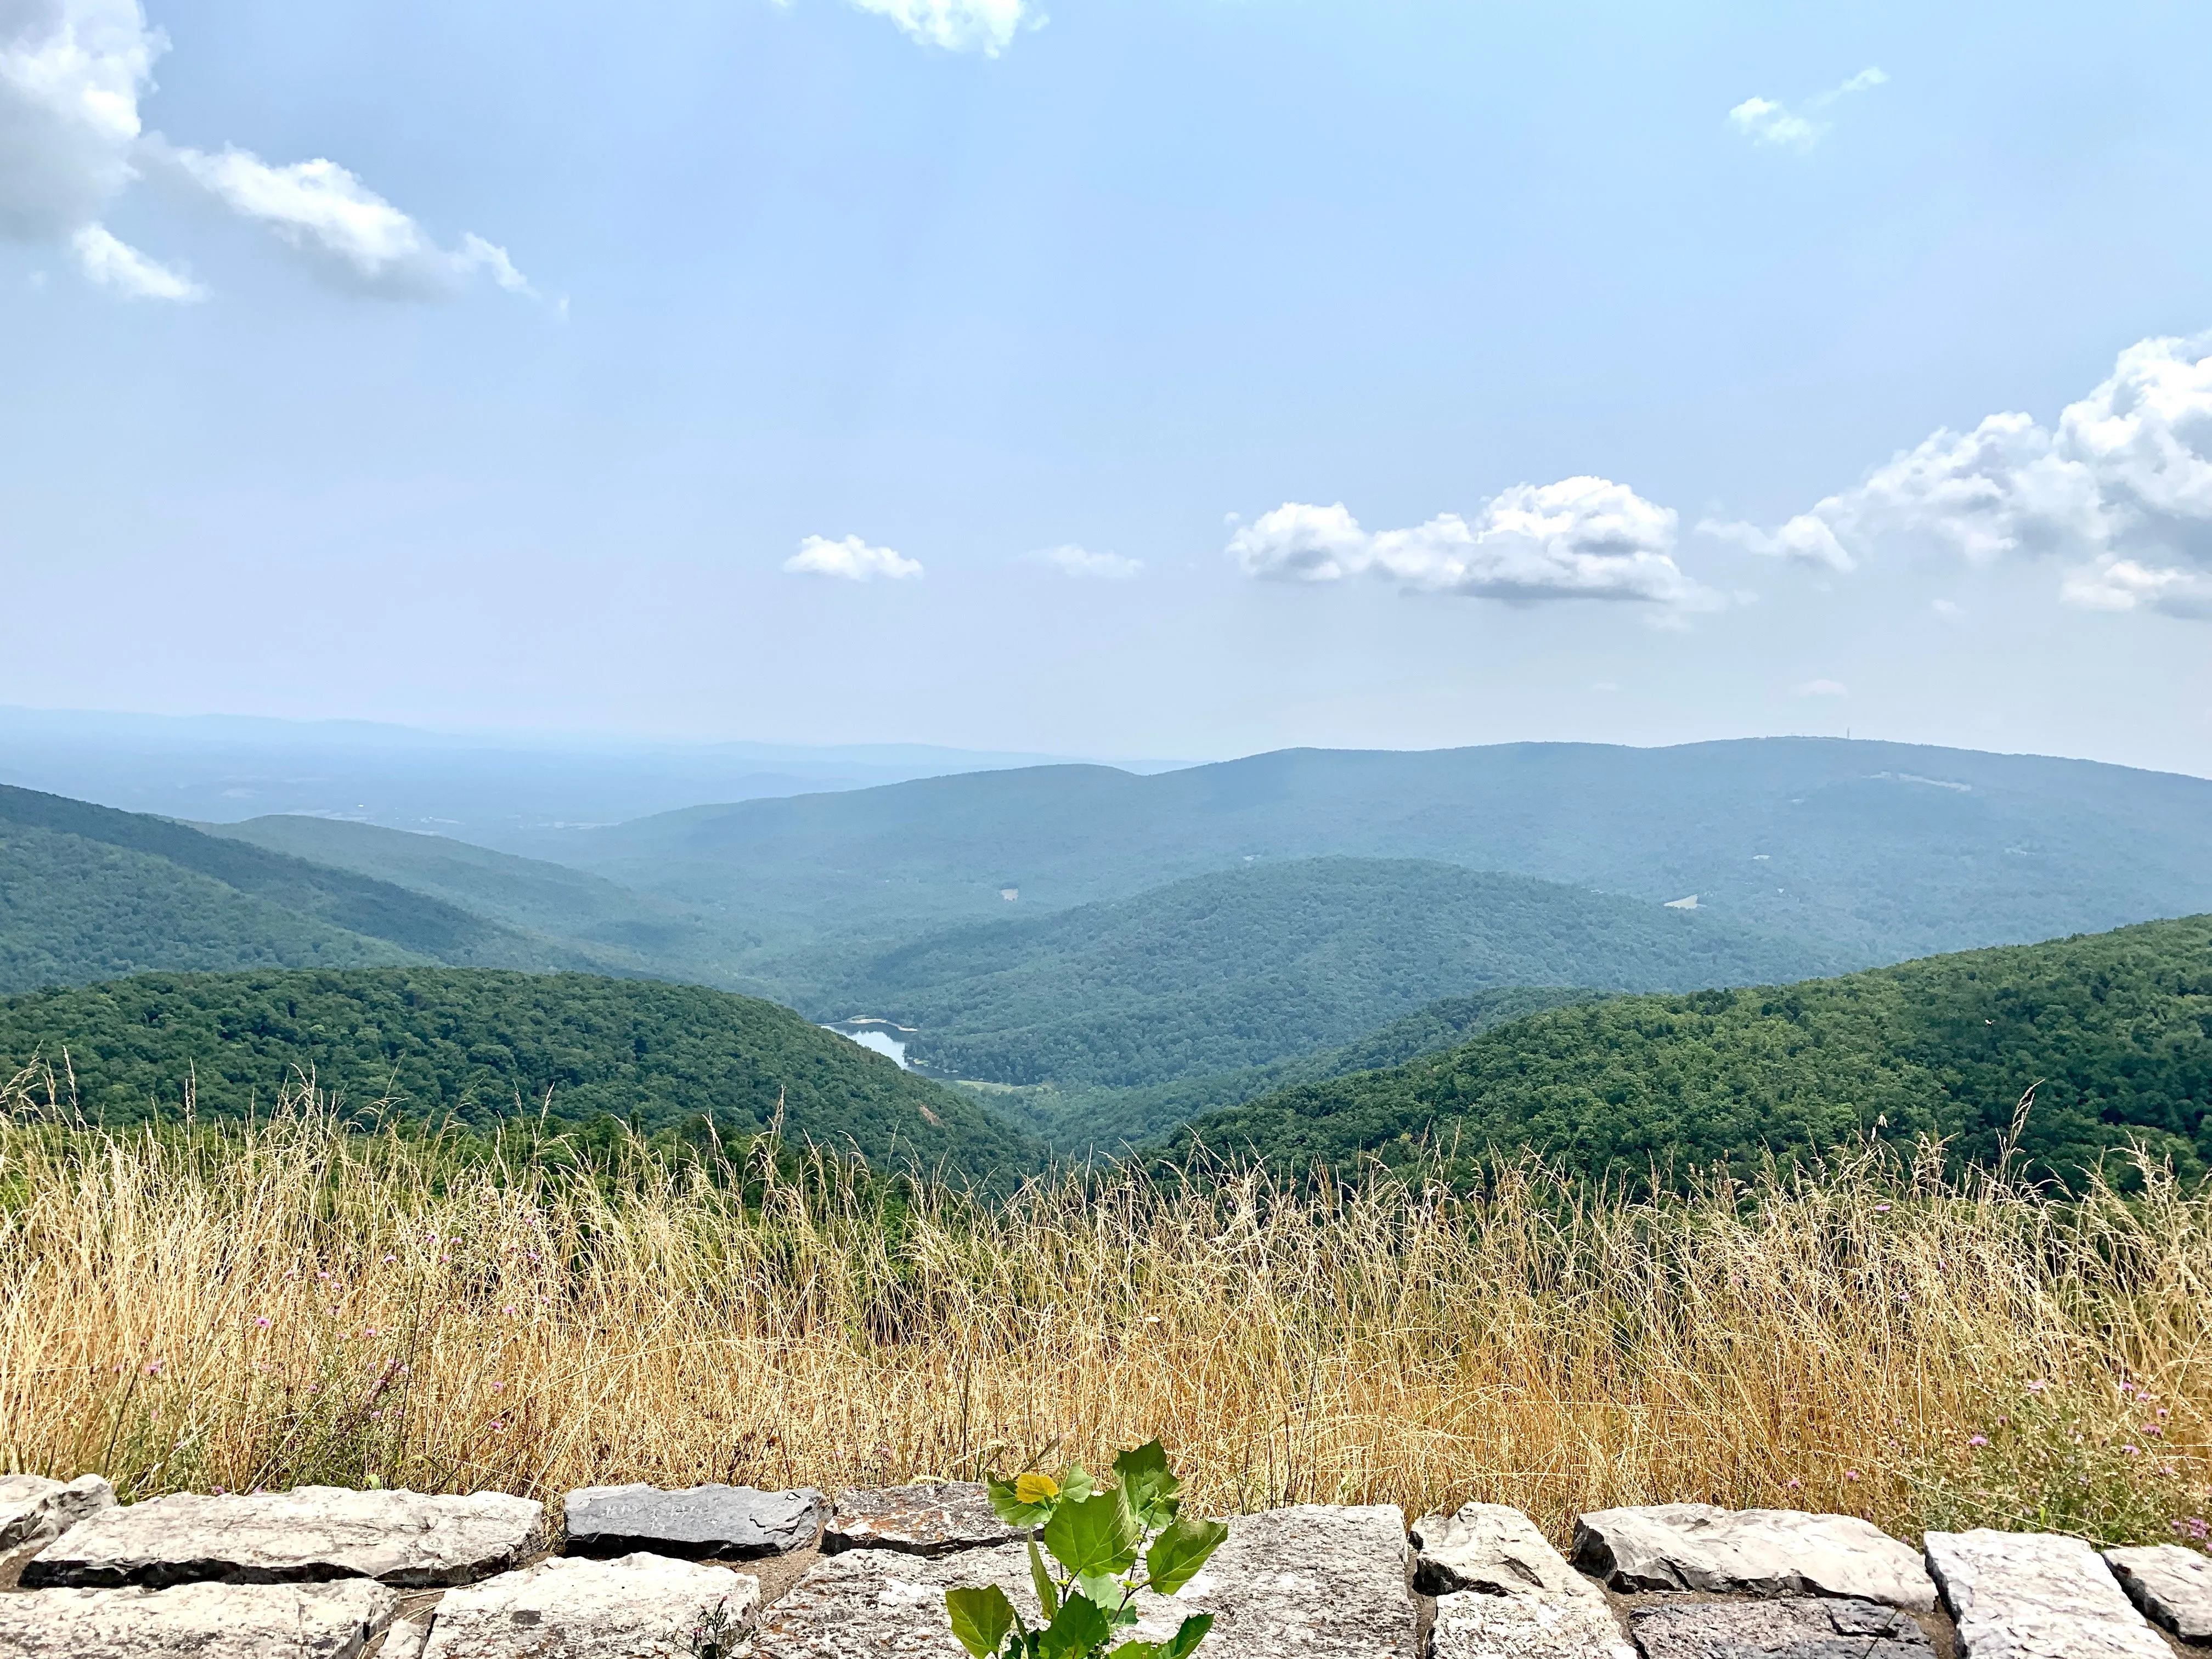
x=2171, y=1585
x=1798, y=1627
x=933, y=1518
x=2036, y=1595
x=1695, y=1546
x=306, y=1535
x=693, y=1523
x=1471, y=1625
x=641, y=1607
x=1317, y=1582
x=33, y=1507
x=1494, y=1550
x=203, y=1621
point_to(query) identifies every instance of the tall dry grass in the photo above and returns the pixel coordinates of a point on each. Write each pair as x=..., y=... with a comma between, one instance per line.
x=291, y=1302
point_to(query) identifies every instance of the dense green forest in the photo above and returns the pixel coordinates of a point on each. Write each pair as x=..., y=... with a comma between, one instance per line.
x=1083, y=1120
x=2113, y=1032
x=88, y=893
x=1249, y=966
x=1874, y=852
x=482, y=1045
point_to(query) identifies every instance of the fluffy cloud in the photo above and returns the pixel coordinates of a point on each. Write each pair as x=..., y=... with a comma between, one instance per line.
x=72, y=73
x=1072, y=560
x=1581, y=538
x=2120, y=488
x=114, y=264
x=344, y=227
x=984, y=26
x=853, y=560
x=1766, y=122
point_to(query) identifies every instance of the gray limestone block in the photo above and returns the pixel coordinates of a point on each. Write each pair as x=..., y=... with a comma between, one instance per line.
x=197, y=1621
x=306, y=1535
x=693, y=1523
x=932, y=1518
x=1471, y=1625
x=1315, y=1581
x=641, y=1607
x=1798, y=1627
x=1695, y=1546
x=2171, y=1585
x=1494, y=1550
x=33, y=1508
x=2036, y=1595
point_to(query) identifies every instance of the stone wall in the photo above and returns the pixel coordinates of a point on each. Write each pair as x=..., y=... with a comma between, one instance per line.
x=630, y=1573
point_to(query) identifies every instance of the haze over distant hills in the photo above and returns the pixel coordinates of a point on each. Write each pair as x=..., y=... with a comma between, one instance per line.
x=1875, y=851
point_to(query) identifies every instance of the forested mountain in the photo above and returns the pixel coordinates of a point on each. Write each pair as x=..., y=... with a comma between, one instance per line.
x=614, y=927
x=484, y=1045
x=2113, y=1032
x=1877, y=851
x=86, y=892
x=1085, y=1120
x=1248, y=966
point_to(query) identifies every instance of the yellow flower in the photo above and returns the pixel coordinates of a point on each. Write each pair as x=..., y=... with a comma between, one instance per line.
x=1036, y=1488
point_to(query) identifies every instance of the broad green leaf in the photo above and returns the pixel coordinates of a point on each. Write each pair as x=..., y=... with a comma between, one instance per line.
x=981, y=1617
x=1009, y=1507
x=1136, y=1651
x=1047, y=1595
x=1078, y=1628
x=1105, y=1589
x=1177, y=1553
x=1099, y=1535
x=1077, y=1483
x=1151, y=1484
x=1185, y=1641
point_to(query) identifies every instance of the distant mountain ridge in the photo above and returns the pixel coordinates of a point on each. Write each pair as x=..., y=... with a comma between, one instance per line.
x=1877, y=851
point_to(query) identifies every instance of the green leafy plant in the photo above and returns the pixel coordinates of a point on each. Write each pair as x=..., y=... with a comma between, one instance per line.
x=1110, y=1542
x=716, y=1634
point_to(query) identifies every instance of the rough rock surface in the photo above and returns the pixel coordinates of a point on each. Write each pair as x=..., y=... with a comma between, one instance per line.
x=33, y=1507
x=1318, y=1582
x=1694, y=1547
x=2036, y=1595
x=1495, y=1550
x=2171, y=1585
x=310, y=1533
x=934, y=1518
x=203, y=1621
x=643, y=1606
x=1473, y=1625
x=696, y=1522
x=1796, y=1628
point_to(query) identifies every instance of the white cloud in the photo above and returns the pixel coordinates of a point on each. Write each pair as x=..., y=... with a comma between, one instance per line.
x=1072, y=560
x=2120, y=488
x=1580, y=538
x=1820, y=689
x=984, y=26
x=852, y=559
x=72, y=75
x=114, y=264
x=347, y=229
x=1766, y=122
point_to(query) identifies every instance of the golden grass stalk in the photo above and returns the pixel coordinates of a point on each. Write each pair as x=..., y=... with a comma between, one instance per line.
x=290, y=1303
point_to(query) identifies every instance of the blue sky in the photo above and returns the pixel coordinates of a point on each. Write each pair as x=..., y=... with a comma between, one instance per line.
x=1165, y=377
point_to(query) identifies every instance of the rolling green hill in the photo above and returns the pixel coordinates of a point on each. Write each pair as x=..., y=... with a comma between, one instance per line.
x=2113, y=1031
x=1876, y=852
x=88, y=893
x=596, y=919
x=1248, y=966
x=482, y=1045
x=1084, y=1121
